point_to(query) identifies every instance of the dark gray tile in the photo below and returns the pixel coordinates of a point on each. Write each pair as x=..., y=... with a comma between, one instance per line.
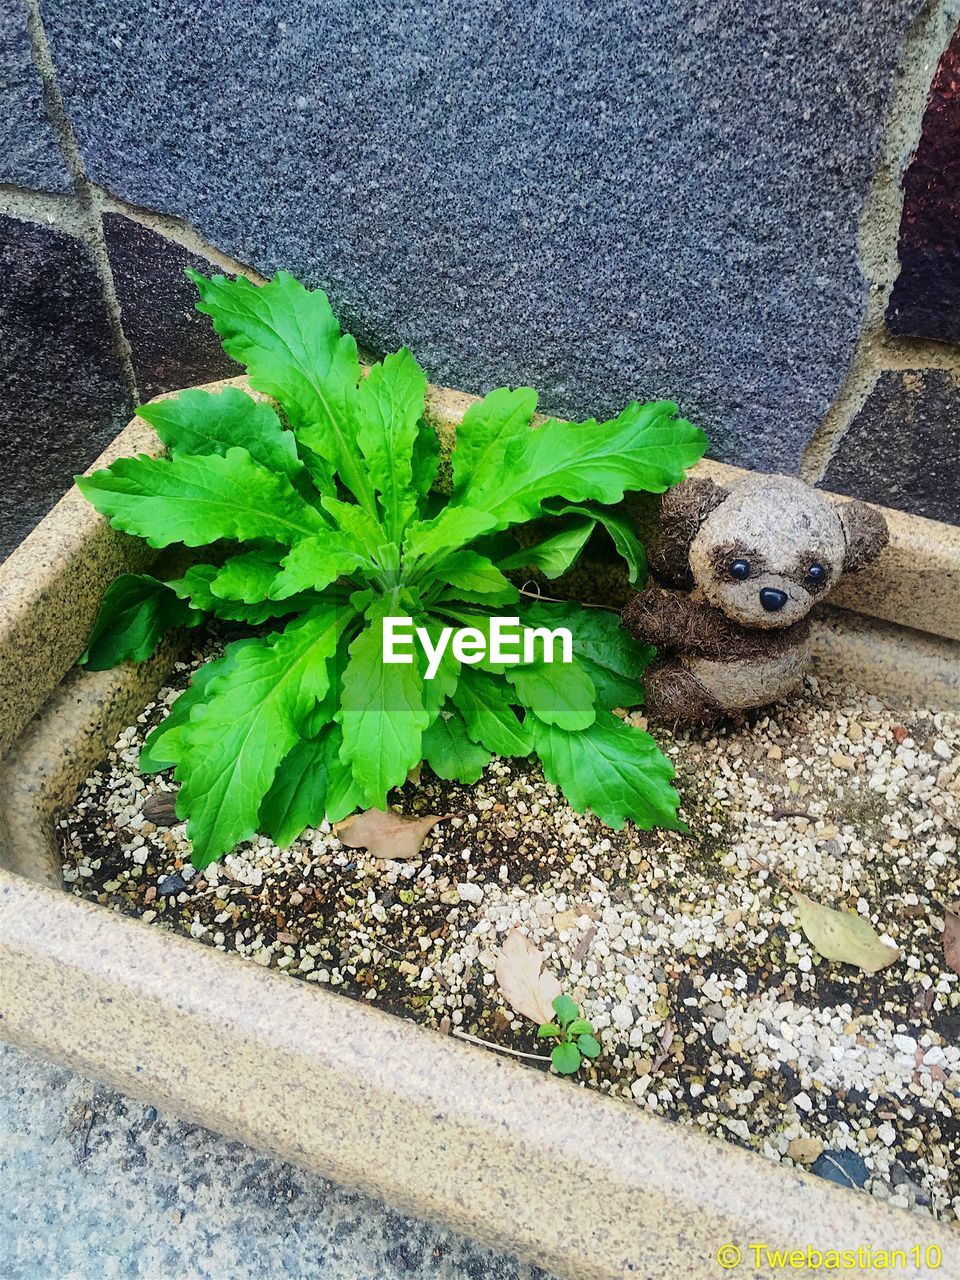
x=171, y=344
x=925, y=300
x=605, y=202
x=903, y=448
x=29, y=154
x=62, y=394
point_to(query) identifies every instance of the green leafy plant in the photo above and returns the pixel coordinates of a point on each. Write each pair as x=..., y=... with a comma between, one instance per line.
x=319, y=517
x=574, y=1036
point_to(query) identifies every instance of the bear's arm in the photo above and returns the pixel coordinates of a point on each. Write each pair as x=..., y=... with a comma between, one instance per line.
x=675, y=623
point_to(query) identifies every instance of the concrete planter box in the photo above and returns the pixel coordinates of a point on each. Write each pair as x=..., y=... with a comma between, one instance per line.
x=583, y=1184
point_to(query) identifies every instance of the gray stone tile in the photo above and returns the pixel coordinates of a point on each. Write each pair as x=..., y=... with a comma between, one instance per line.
x=62, y=393
x=29, y=153
x=171, y=344
x=605, y=202
x=95, y=1186
x=903, y=448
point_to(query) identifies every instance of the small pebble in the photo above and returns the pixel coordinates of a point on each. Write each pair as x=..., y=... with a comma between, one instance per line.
x=160, y=809
x=805, y=1150
x=171, y=885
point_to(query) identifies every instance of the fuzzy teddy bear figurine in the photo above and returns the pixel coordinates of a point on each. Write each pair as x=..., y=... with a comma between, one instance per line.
x=743, y=566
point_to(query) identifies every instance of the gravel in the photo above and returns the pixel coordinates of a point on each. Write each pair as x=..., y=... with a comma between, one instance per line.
x=684, y=950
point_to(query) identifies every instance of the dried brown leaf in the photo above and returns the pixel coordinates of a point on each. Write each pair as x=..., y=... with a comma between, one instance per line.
x=583, y=946
x=666, y=1040
x=951, y=936
x=387, y=834
x=522, y=984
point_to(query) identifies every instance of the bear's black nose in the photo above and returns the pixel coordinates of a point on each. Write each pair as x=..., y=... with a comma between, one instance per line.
x=773, y=600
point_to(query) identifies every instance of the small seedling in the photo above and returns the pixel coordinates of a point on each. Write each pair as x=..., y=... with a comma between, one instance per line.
x=573, y=1034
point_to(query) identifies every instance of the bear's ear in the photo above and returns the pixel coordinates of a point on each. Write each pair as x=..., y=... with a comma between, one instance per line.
x=865, y=532
x=684, y=509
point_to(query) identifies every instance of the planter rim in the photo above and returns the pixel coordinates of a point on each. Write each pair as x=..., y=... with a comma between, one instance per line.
x=581, y=1183
x=432, y=1125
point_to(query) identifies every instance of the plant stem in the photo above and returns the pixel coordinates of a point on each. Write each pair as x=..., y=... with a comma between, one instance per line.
x=488, y=1044
x=581, y=604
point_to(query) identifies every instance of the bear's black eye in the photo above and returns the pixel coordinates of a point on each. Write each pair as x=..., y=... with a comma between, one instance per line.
x=816, y=573
x=740, y=569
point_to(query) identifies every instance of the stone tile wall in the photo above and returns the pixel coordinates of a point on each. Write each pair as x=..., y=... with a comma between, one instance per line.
x=63, y=395
x=902, y=445
x=29, y=152
x=171, y=344
x=700, y=201
x=925, y=301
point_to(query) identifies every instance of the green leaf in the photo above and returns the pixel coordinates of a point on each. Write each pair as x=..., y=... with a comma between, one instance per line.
x=425, y=462
x=646, y=447
x=604, y=649
x=196, y=500
x=237, y=737
x=465, y=617
x=290, y=342
x=565, y=1009
x=247, y=578
x=382, y=711
x=496, y=546
x=388, y=558
x=612, y=769
x=555, y=554
x=319, y=469
x=589, y=1046
x=202, y=422
x=560, y=693
x=450, y=529
x=489, y=718
x=565, y=1059
x=356, y=522
x=196, y=586
x=449, y=751
x=472, y=577
x=136, y=612
x=447, y=676
x=285, y=335
x=491, y=430
x=388, y=410
x=620, y=530
x=547, y=1029
x=343, y=793
x=315, y=563
x=580, y=1027
x=298, y=794
x=164, y=744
